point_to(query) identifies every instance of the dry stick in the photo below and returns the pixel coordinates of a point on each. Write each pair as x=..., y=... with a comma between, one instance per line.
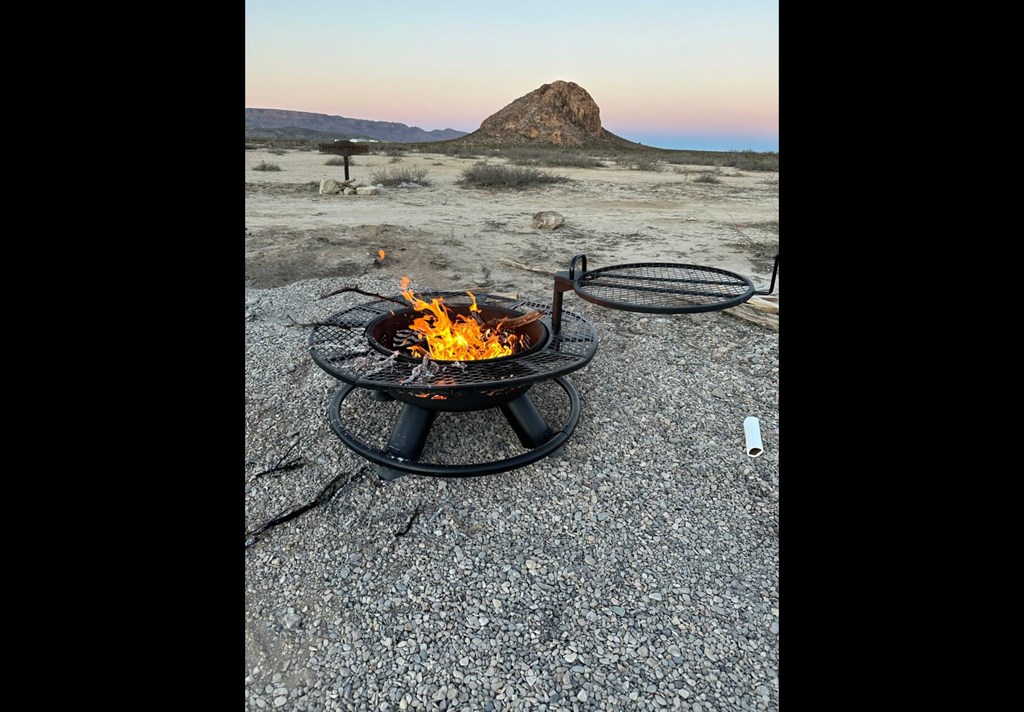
x=279, y=467
x=313, y=324
x=367, y=294
x=528, y=268
x=326, y=494
x=408, y=525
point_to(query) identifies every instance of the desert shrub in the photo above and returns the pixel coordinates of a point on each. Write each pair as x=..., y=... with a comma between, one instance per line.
x=264, y=166
x=277, y=151
x=639, y=163
x=271, y=143
x=707, y=178
x=747, y=160
x=397, y=176
x=645, y=163
x=484, y=175
x=339, y=161
x=552, y=157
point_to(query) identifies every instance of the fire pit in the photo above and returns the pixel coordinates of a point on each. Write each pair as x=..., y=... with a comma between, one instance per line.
x=367, y=346
x=394, y=354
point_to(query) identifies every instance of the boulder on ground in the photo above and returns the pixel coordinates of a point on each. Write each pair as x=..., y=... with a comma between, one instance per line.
x=548, y=220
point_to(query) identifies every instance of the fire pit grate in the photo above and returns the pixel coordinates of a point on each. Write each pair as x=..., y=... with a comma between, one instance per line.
x=663, y=288
x=339, y=345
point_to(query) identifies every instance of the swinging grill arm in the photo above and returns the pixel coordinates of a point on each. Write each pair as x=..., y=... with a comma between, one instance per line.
x=771, y=287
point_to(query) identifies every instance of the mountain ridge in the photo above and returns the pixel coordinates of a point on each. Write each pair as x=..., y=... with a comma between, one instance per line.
x=286, y=123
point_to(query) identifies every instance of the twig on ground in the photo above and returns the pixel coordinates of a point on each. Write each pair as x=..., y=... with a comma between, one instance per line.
x=408, y=525
x=281, y=465
x=528, y=268
x=366, y=294
x=326, y=495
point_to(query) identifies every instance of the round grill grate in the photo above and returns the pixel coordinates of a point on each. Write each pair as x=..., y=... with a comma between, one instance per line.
x=663, y=288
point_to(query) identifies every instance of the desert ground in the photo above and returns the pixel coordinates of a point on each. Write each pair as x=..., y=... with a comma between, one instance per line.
x=445, y=236
x=636, y=568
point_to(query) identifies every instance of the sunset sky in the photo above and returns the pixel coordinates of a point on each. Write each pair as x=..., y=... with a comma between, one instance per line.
x=685, y=74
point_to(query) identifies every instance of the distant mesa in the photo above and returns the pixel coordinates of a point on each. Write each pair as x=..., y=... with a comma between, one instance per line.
x=556, y=114
x=282, y=123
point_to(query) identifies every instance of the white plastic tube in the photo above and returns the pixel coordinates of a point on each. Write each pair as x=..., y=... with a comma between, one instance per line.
x=752, y=431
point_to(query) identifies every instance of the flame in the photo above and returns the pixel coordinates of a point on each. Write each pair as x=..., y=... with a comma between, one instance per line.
x=380, y=255
x=460, y=339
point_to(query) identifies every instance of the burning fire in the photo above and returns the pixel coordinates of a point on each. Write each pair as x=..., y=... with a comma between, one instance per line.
x=380, y=255
x=460, y=339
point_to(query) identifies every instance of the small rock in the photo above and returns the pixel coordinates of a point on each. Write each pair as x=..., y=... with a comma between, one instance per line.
x=548, y=220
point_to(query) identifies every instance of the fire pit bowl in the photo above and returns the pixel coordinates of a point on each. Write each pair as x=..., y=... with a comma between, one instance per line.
x=392, y=333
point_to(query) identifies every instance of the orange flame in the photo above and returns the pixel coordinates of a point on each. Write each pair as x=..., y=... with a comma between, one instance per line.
x=460, y=339
x=380, y=255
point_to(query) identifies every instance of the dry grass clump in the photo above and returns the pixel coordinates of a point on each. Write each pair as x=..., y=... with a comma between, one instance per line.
x=741, y=160
x=485, y=175
x=397, y=176
x=552, y=157
x=707, y=178
x=264, y=166
x=339, y=161
x=639, y=163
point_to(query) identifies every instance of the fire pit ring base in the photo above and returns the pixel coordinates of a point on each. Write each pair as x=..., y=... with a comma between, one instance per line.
x=412, y=466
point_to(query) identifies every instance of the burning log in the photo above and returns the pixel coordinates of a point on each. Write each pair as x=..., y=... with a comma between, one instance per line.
x=444, y=336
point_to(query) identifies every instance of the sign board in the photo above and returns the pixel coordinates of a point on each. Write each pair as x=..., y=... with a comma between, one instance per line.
x=344, y=148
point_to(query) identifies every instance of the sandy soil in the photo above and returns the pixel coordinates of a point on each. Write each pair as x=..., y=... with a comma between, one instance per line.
x=449, y=237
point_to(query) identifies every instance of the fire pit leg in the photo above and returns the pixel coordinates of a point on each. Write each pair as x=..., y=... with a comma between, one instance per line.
x=408, y=438
x=527, y=422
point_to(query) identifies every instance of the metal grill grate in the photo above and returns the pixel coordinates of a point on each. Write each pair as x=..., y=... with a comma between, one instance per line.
x=340, y=346
x=663, y=288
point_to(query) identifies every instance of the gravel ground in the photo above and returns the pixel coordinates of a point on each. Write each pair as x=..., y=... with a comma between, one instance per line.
x=637, y=568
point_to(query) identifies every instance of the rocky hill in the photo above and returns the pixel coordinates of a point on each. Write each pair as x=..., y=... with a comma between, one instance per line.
x=559, y=114
x=281, y=123
x=556, y=114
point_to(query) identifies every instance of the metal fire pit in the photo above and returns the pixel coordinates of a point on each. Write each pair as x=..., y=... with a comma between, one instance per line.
x=358, y=346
